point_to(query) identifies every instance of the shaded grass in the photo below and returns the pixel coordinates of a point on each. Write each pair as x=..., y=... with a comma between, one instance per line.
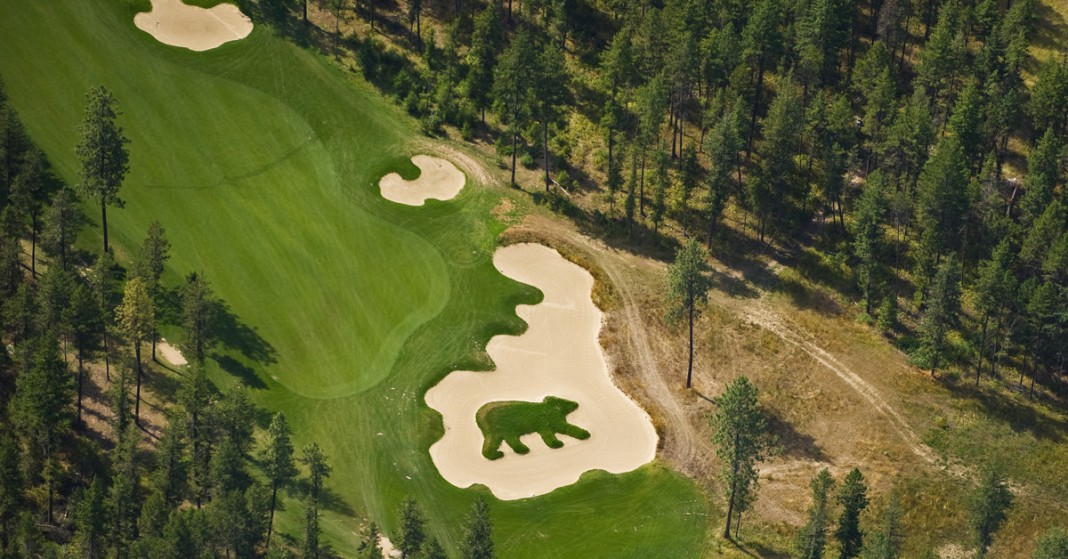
x=261, y=161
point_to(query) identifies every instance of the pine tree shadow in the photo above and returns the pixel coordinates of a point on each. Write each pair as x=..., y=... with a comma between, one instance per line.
x=235, y=334
x=328, y=498
x=238, y=369
x=795, y=444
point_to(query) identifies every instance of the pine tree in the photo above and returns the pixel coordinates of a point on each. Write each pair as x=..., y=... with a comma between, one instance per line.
x=29, y=193
x=84, y=319
x=549, y=96
x=660, y=180
x=11, y=490
x=91, y=521
x=170, y=477
x=194, y=401
x=885, y=542
x=277, y=461
x=309, y=545
x=993, y=288
x=62, y=223
x=478, y=533
x=103, y=153
x=14, y=144
x=1046, y=106
x=482, y=57
x=868, y=238
x=41, y=411
x=688, y=284
x=370, y=548
x=136, y=317
x=1044, y=171
x=233, y=417
x=318, y=470
x=155, y=251
x=124, y=499
x=940, y=315
x=102, y=281
x=941, y=206
x=513, y=87
x=966, y=124
x=742, y=441
x=723, y=146
x=812, y=539
x=988, y=506
x=652, y=102
x=413, y=532
x=853, y=498
x=199, y=314
x=762, y=41
x=944, y=54
x=775, y=183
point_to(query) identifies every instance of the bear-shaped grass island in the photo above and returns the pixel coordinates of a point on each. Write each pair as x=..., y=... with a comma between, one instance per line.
x=507, y=421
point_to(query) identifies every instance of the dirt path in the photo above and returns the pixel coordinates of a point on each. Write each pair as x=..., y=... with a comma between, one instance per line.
x=683, y=443
x=759, y=315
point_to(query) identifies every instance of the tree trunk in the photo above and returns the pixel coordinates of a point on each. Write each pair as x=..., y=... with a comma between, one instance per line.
x=515, y=141
x=51, y=497
x=641, y=187
x=545, y=153
x=982, y=349
x=81, y=375
x=33, y=246
x=137, y=401
x=104, y=221
x=270, y=523
x=305, y=12
x=689, y=367
x=711, y=229
x=107, y=356
x=756, y=107
x=730, y=505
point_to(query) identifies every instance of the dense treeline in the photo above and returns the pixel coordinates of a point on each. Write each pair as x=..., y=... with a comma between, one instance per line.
x=100, y=483
x=890, y=132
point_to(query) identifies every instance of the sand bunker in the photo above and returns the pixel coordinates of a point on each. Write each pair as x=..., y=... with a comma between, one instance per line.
x=438, y=179
x=558, y=355
x=180, y=25
x=170, y=353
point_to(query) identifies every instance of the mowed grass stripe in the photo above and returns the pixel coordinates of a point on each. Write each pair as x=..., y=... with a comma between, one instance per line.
x=276, y=200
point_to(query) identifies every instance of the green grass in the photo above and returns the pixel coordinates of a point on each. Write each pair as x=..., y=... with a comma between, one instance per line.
x=505, y=422
x=261, y=161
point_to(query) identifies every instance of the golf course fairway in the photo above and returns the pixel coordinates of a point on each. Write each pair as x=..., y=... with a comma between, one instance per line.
x=262, y=162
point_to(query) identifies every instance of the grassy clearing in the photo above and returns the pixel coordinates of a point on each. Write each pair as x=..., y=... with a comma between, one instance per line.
x=505, y=422
x=261, y=161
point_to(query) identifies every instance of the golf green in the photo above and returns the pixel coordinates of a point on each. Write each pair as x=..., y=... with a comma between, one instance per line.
x=261, y=160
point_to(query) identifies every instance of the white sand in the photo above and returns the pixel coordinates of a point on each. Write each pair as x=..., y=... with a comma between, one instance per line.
x=558, y=355
x=170, y=353
x=180, y=25
x=388, y=550
x=438, y=179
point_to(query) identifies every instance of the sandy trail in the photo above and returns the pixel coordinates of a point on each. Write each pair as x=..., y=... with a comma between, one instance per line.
x=170, y=353
x=558, y=355
x=438, y=179
x=180, y=25
x=775, y=324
